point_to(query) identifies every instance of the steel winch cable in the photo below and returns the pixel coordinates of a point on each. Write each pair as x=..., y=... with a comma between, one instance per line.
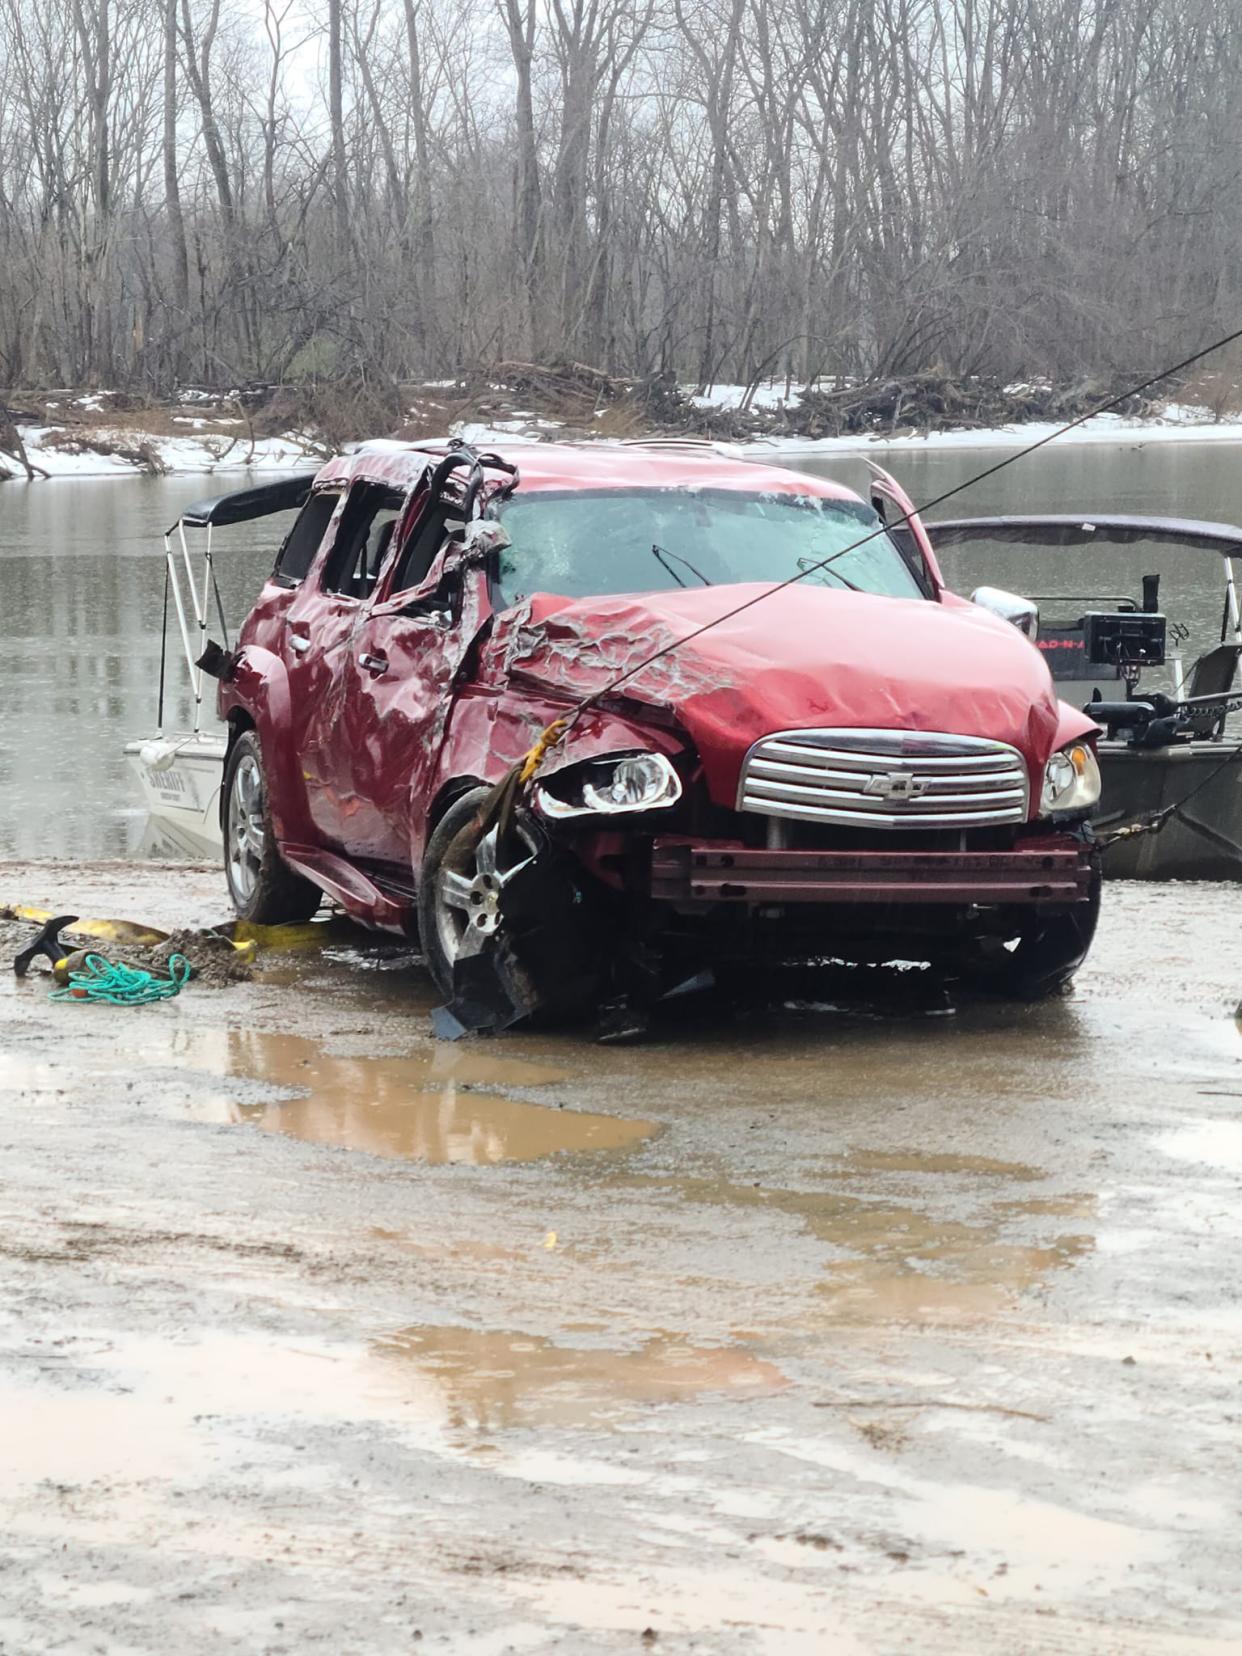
x=527, y=767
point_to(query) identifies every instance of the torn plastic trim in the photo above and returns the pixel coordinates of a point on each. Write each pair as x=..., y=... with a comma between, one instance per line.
x=217, y=662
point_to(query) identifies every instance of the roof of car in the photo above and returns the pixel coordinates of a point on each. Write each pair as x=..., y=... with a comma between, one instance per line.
x=589, y=465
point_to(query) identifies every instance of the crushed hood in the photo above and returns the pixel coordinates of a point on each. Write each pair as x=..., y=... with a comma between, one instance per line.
x=804, y=657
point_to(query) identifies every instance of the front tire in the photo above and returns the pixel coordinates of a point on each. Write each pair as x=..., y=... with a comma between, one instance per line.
x=501, y=921
x=1047, y=954
x=264, y=889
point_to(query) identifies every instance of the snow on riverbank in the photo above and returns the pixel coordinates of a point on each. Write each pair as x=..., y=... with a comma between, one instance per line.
x=1103, y=428
x=1177, y=422
x=124, y=451
x=1177, y=425
x=103, y=452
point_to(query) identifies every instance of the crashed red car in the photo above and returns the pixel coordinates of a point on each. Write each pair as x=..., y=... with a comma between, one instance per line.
x=860, y=766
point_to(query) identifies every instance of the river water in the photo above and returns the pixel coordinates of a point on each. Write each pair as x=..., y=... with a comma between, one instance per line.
x=82, y=594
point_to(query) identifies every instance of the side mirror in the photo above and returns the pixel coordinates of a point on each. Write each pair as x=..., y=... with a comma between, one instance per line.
x=1019, y=612
x=483, y=539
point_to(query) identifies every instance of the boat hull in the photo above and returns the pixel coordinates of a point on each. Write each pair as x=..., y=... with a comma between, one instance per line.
x=181, y=778
x=1202, y=841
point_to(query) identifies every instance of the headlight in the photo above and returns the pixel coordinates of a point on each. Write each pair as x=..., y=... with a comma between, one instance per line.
x=609, y=787
x=1071, y=780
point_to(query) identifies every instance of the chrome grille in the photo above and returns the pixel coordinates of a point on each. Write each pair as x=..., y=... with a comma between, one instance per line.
x=884, y=779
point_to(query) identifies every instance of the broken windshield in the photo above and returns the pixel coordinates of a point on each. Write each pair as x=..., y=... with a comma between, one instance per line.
x=591, y=542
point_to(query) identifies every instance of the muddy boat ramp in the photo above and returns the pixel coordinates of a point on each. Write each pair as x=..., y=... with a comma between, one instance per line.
x=838, y=1328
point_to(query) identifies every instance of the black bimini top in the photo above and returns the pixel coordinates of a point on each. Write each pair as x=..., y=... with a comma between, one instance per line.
x=285, y=495
x=1083, y=530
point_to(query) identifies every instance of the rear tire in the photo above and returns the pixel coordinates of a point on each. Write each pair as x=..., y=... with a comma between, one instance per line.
x=263, y=887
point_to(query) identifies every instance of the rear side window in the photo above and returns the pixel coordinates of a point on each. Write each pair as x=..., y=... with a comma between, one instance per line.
x=295, y=557
x=363, y=537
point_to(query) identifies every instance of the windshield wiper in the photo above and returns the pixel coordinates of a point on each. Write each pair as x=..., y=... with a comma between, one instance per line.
x=810, y=565
x=662, y=555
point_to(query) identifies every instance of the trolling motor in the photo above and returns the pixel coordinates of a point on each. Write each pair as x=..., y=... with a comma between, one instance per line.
x=1149, y=721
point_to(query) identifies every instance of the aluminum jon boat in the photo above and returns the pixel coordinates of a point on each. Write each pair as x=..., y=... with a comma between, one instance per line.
x=1167, y=759
x=180, y=771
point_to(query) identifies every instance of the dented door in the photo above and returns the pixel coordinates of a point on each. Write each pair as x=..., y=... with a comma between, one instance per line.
x=398, y=686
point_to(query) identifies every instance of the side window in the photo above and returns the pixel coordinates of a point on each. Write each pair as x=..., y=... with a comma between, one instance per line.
x=362, y=539
x=423, y=543
x=305, y=538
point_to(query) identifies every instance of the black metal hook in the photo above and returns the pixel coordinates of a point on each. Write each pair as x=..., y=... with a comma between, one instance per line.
x=46, y=943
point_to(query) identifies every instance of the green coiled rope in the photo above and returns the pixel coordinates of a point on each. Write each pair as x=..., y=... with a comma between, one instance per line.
x=101, y=979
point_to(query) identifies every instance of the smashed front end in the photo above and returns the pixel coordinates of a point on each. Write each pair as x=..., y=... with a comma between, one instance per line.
x=841, y=844
x=799, y=776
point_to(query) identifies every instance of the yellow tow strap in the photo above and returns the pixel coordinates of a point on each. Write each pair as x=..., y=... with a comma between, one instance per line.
x=547, y=739
x=132, y=932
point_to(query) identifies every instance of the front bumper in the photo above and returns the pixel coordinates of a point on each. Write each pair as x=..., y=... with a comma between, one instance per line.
x=1055, y=871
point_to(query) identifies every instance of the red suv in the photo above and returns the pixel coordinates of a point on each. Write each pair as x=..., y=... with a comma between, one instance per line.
x=859, y=767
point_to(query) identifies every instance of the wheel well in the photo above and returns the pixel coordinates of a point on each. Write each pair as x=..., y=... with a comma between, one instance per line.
x=238, y=720
x=448, y=796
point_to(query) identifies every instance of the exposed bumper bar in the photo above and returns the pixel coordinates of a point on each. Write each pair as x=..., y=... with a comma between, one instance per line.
x=1056, y=871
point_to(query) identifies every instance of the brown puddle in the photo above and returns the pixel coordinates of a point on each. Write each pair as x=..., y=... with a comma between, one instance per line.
x=424, y=1107
x=150, y=1412
x=907, y=1265
x=493, y=1381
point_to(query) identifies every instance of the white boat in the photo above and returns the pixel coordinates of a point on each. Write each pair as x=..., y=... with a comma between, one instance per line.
x=180, y=777
x=180, y=772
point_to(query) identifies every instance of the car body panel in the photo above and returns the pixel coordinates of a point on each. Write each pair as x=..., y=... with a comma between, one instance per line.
x=886, y=490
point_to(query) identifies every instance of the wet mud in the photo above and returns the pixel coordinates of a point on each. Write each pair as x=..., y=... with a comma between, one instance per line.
x=814, y=1330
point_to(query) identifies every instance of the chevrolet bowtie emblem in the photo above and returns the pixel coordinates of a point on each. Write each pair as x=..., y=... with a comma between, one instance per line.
x=897, y=786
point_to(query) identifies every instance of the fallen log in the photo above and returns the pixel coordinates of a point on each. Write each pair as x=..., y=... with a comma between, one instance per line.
x=13, y=448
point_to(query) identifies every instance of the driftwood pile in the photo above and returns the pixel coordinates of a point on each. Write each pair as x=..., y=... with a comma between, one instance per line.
x=590, y=401
x=583, y=396
x=938, y=402
x=576, y=399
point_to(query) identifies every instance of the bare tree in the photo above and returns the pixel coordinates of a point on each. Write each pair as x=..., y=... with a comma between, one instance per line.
x=705, y=188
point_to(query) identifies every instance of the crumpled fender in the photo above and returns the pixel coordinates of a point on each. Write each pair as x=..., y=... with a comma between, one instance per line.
x=489, y=734
x=516, y=721
x=259, y=686
x=1073, y=725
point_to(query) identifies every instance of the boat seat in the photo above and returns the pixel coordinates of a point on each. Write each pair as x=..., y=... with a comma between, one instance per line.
x=1213, y=675
x=1214, y=672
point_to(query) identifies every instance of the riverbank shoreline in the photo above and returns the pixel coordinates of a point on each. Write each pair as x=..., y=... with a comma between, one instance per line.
x=204, y=436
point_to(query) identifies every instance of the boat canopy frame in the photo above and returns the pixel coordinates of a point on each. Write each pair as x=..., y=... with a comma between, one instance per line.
x=191, y=599
x=1110, y=528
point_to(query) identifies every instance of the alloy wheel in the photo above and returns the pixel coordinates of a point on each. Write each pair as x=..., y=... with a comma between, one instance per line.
x=469, y=891
x=246, y=836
